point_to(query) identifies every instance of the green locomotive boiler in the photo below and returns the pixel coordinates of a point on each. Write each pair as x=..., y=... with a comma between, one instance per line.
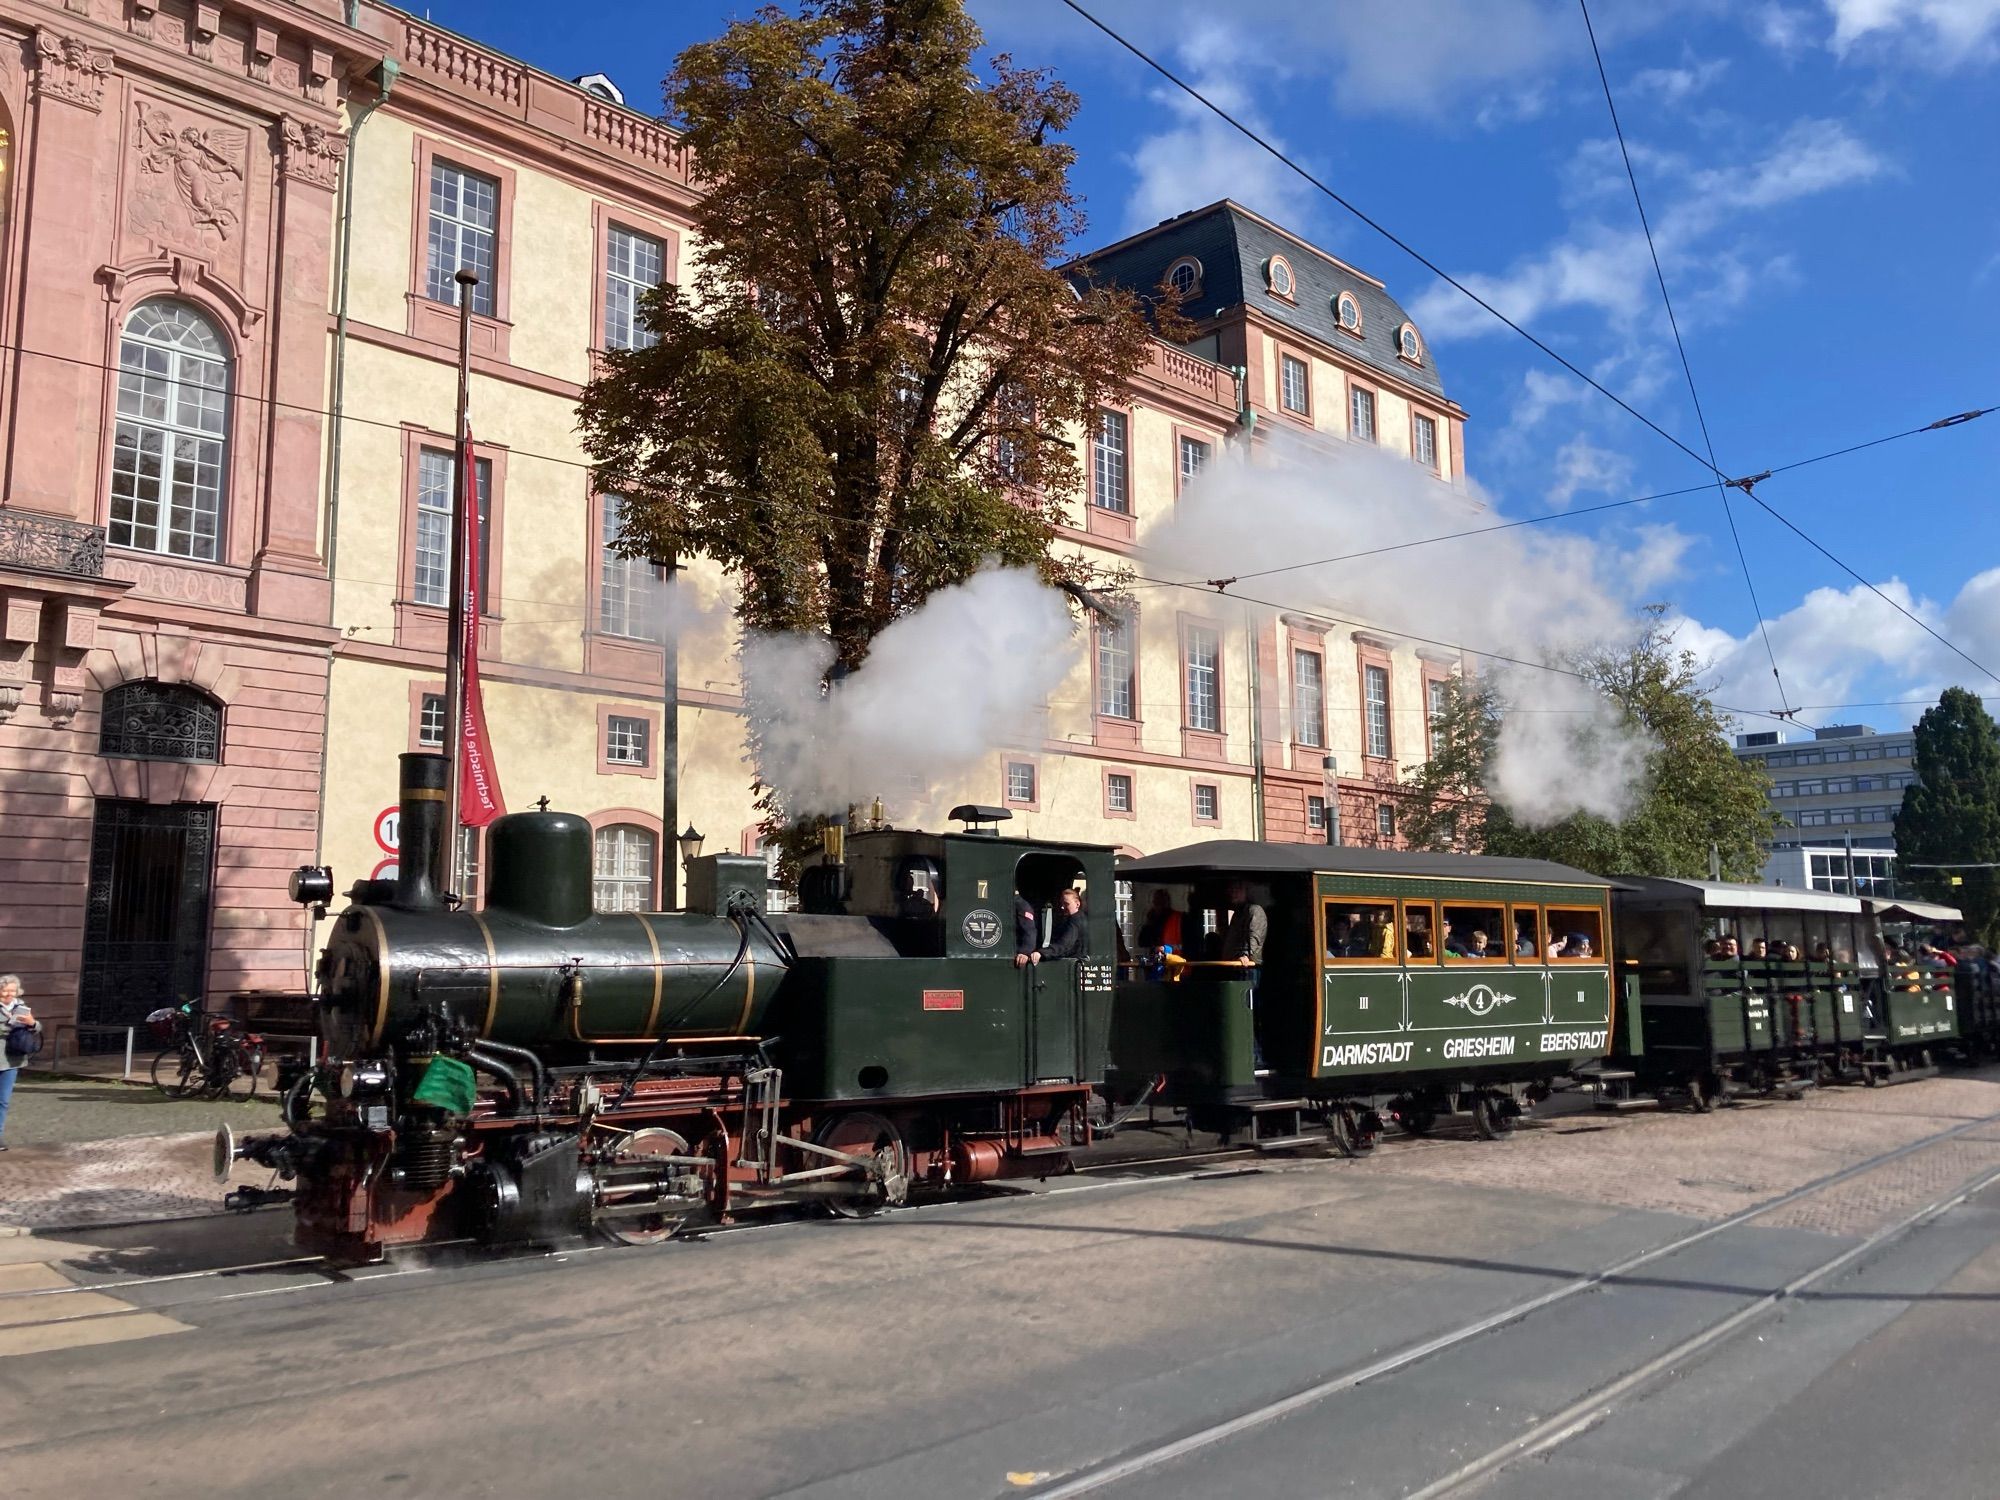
x=534, y=1069
x=1400, y=985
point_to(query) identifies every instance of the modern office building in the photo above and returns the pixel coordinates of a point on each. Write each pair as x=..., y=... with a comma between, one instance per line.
x=1837, y=792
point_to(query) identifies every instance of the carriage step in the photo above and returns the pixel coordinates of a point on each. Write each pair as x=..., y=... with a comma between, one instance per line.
x=1628, y=1105
x=1287, y=1142
x=1610, y=1076
x=1266, y=1106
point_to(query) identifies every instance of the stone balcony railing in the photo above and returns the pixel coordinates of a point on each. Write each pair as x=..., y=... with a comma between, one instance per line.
x=50, y=544
x=1192, y=373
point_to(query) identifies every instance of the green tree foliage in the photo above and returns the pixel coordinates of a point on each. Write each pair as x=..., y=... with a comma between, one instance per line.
x=1694, y=792
x=871, y=381
x=1444, y=805
x=1952, y=813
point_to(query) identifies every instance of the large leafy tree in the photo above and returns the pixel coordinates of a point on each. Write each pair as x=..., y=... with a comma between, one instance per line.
x=1694, y=794
x=872, y=380
x=1951, y=815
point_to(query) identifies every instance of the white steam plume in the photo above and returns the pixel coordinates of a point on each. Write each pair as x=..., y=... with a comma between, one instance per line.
x=940, y=688
x=1530, y=593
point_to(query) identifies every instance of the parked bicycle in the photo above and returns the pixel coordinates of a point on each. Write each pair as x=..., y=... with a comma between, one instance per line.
x=205, y=1054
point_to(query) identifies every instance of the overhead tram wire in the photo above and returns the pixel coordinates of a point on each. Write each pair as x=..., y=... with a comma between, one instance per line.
x=1428, y=264
x=1582, y=510
x=1687, y=368
x=1385, y=232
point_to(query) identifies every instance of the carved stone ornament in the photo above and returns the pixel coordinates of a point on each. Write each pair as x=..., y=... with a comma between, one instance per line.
x=189, y=186
x=312, y=152
x=70, y=69
x=61, y=708
x=10, y=701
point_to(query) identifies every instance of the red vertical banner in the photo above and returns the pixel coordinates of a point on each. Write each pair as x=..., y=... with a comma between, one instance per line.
x=479, y=782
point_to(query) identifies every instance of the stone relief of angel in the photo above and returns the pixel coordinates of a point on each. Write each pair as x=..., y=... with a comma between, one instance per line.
x=200, y=164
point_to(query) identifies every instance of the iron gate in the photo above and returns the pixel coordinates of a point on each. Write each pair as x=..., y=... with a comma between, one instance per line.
x=145, y=926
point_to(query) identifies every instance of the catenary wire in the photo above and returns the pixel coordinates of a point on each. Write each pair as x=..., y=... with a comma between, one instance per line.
x=1687, y=367
x=1388, y=234
x=1259, y=141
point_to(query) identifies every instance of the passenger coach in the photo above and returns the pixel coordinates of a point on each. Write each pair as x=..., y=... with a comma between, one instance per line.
x=1399, y=985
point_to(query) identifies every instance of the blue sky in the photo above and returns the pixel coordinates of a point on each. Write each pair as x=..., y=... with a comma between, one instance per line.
x=1821, y=179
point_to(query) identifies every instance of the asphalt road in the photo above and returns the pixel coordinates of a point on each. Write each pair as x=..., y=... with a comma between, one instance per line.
x=1030, y=1345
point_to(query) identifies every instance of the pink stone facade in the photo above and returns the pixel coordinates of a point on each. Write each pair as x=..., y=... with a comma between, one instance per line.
x=184, y=155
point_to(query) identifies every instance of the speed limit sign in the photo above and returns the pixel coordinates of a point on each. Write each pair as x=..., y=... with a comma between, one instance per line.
x=388, y=829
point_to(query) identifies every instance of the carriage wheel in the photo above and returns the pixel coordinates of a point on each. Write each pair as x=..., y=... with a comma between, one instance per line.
x=651, y=1228
x=1491, y=1118
x=1701, y=1094
x=1349, y=1134
x=862, y=1134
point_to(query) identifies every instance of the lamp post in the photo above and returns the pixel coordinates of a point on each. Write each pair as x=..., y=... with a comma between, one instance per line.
x=690, y=843
x=1329, y=766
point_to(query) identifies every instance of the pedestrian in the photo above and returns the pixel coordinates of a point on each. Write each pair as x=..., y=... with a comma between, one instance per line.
x=14, y=1013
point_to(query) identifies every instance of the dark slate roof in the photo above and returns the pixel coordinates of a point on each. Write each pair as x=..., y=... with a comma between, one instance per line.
x=1250, y=857
x=1233, y=246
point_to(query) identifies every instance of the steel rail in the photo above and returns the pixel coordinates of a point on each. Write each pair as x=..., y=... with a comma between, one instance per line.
x=1259, y=1416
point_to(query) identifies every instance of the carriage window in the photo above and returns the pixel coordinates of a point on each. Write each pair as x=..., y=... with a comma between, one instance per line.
x=1576, y=934
x=1360, y=931
x=1528, y=933
x=1786, y=935
x=1656, y=943
x=1475, y=932
x=1420, y=929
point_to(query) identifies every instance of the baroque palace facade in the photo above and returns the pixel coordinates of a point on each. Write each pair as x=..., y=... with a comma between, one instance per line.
x=222, y=609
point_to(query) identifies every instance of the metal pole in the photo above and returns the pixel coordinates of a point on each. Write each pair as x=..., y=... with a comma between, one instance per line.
x=670, y=736
x=464, y=519
x=129, y=1030
x=1329, y=766
x=1257, y=789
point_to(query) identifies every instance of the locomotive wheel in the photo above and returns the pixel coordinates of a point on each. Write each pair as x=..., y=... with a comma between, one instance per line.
x=648, y=1229
x=1701, y=1094
x=1340, y=1133
x=1491, y=1118
x=865, y=1134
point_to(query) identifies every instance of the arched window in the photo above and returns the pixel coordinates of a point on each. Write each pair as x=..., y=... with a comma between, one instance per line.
x=624, y=868
x=151, y=720
x=1408, y=346
x=1348, y=310
x=1184, y=276
x=1278, y=275
x=172, y=441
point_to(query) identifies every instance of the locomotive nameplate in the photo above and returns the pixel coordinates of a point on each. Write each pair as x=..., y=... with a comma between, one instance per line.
x=981, y=927
x=944, y=999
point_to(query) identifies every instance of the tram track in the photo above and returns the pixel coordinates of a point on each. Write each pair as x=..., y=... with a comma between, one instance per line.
x=1581, y=1415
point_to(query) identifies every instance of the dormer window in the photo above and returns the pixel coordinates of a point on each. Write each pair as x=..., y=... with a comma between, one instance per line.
x=1408, y=345
x=1184, y=276
x=1348, y=311
x=1278, y=276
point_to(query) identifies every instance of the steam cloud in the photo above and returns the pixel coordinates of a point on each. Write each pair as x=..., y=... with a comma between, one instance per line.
x=940, y=688
x=1527, y=593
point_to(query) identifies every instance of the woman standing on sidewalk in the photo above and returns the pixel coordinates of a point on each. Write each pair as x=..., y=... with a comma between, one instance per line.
x=14, y=1012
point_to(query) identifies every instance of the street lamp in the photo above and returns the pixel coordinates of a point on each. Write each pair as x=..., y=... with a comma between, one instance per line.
x=1329, y=766
x=690, y=843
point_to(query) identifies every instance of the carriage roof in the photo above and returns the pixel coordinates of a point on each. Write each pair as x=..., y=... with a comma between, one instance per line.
x=1251, y=857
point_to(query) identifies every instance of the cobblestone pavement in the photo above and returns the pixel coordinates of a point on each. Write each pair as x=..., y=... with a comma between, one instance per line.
x=1709, y=1166
x=86, y=1152
x=47, y=1111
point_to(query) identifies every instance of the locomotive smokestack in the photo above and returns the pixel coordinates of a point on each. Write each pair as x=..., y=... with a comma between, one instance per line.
x=421, y=847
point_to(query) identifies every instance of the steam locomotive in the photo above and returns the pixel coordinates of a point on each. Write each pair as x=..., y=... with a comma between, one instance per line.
x=535, y=1069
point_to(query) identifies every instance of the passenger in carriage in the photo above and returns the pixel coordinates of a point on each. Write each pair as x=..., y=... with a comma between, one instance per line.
x=1559, y=946
x=1579, y=945
x=1419, y=935
x=1162, y=927
x=1758, y=949
x=1524, y=937
x=1340, y=938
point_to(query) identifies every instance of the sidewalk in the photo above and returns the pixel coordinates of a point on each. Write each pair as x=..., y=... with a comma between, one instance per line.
x=85, y=1152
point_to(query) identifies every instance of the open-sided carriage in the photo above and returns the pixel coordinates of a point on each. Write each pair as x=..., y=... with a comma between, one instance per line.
x=1769, y=990
x=1392, y=986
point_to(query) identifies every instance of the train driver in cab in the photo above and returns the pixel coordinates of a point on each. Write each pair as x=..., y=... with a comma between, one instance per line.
x=1069, y=936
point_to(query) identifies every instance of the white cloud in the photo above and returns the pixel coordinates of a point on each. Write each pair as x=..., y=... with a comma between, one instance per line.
x=1845, y=645
x=1813, y=156
x=1936, y=33
x=1672, y=86
x=1657, y=555
x=1583, y=468
x=1201, y=157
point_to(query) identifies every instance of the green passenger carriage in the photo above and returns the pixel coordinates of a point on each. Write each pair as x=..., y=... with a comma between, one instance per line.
x=1399, y=984
x=1769, y=989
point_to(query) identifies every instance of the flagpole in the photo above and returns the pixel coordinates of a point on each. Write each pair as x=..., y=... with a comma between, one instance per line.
x=464, y=531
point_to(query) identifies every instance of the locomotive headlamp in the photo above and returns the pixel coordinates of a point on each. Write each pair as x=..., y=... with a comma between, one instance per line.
x=311, y=885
